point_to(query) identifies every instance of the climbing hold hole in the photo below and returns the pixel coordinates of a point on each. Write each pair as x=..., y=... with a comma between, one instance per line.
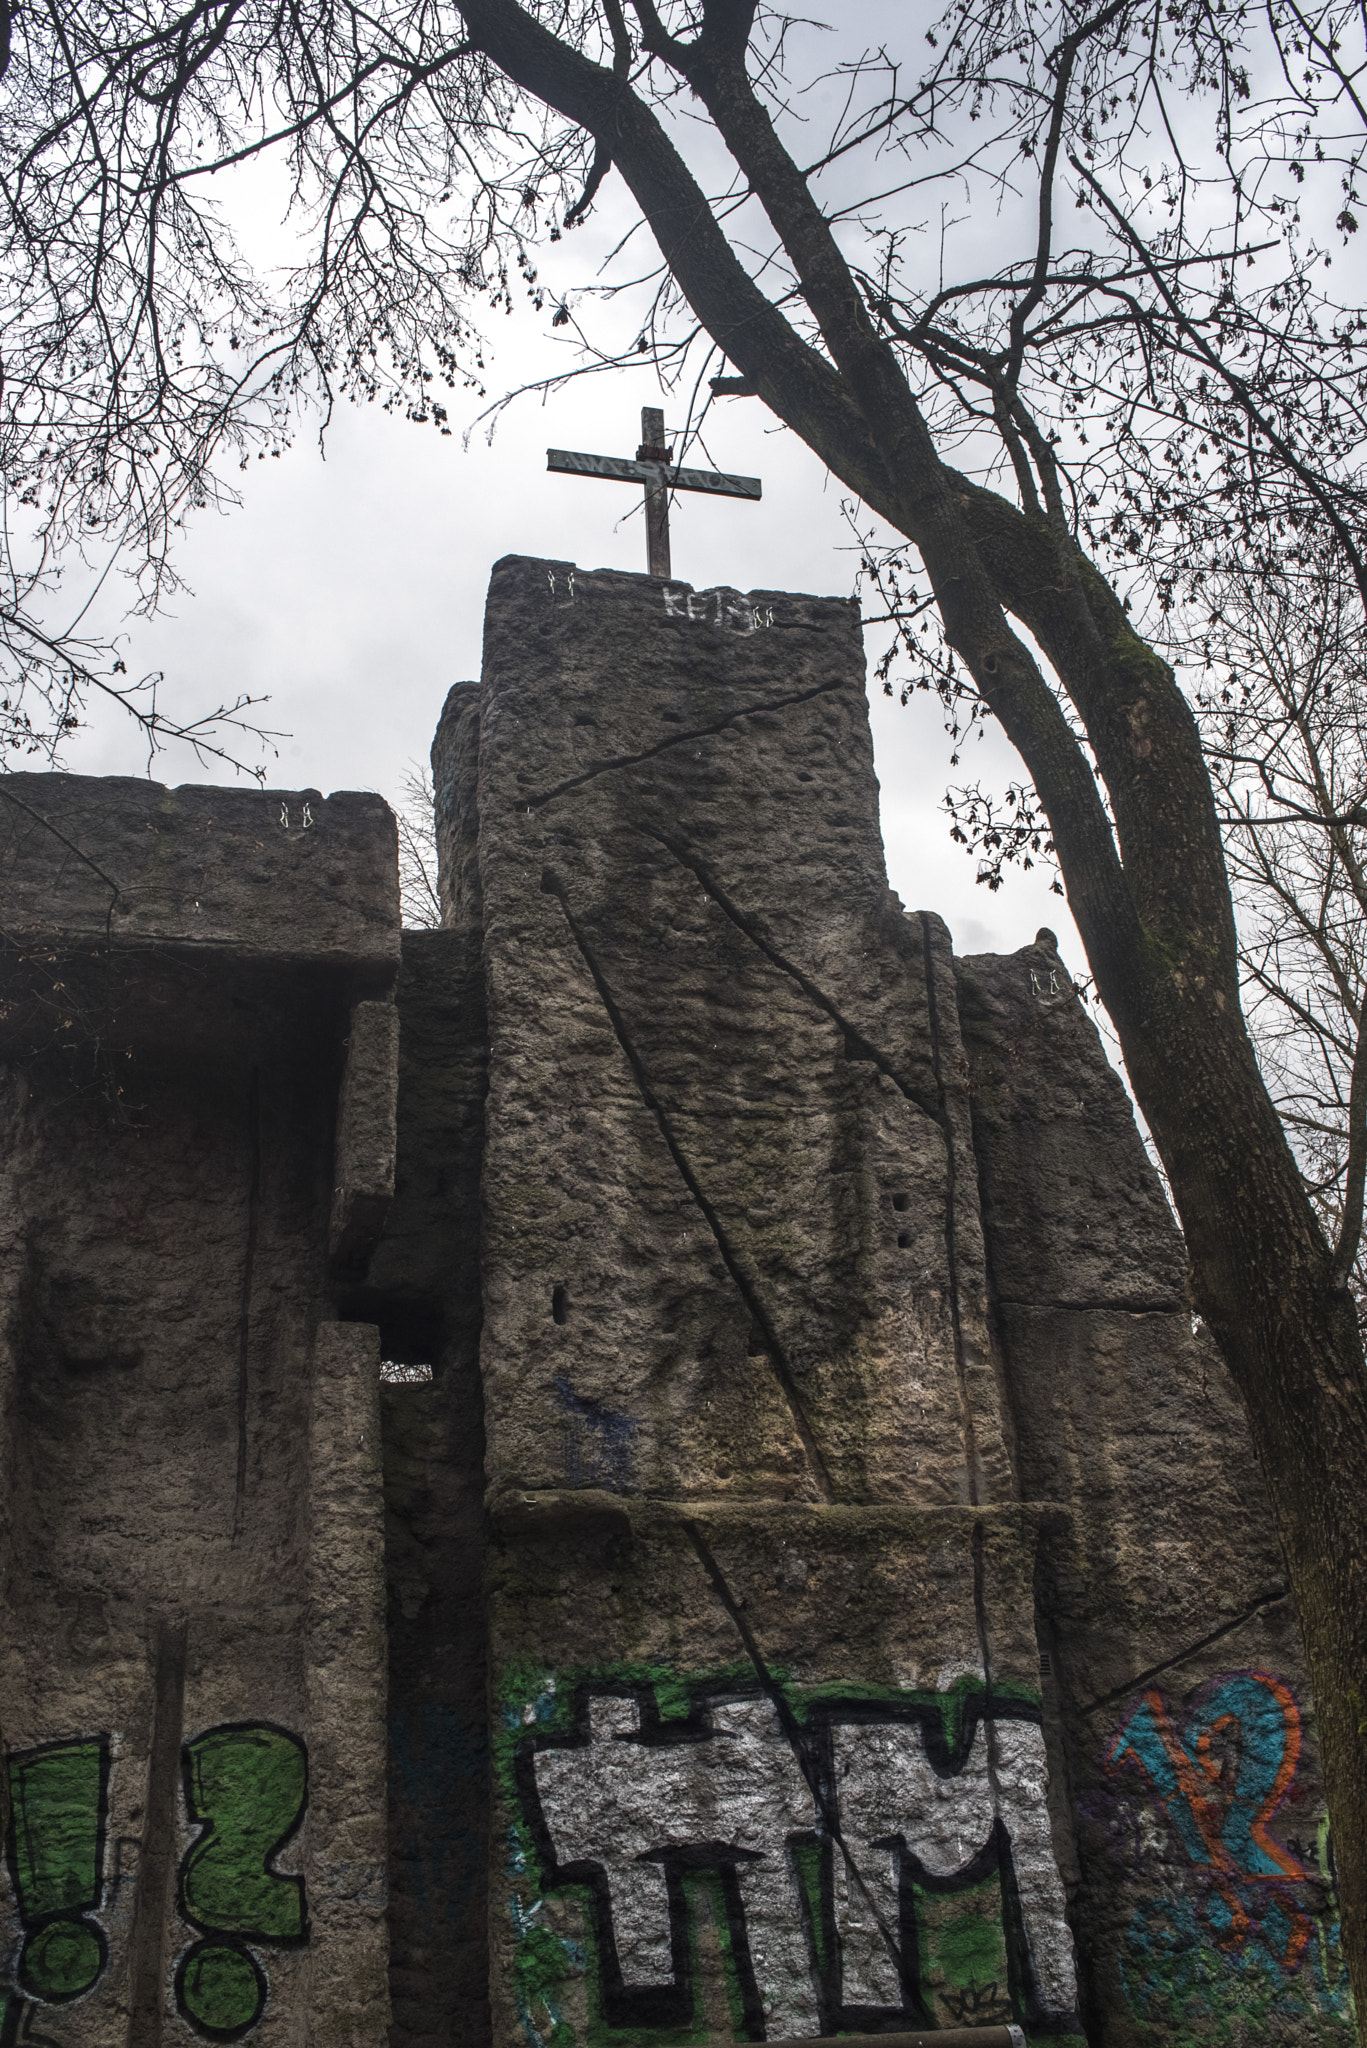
x=900, y=1201
x=805, y=775
x=560, y=1305
x=903, y=1239
x=549, y=884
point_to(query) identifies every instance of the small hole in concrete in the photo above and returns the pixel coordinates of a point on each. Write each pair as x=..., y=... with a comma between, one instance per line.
x=900, y=1201
x=583, y=718
x=903, y=1239
x=560, y=1305
x=806, y=776
x=671, y=718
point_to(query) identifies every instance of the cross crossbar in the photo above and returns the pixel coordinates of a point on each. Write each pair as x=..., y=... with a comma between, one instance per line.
x=618, y=469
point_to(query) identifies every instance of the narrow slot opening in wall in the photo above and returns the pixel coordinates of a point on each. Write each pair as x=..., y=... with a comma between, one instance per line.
x=560, y=1305
x=412, y=1333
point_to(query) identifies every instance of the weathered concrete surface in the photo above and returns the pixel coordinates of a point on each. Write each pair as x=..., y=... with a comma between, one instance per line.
x=346, y=1840
x=825, y=1582
x=363, y=1177
x=187, y=1615
x=1163, y=1603
x=790, y=1222
x=280, y=873
x=718, y=1251
x=734, y=1278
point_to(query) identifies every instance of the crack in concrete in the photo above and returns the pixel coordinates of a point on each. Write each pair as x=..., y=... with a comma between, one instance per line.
x=951, y=1190
x=862, y=1047
x=245, y=1313
x=792, y=1730
x=675, y=739
x=778, y=1358
x=1109, y=1699
x=1122, y=1308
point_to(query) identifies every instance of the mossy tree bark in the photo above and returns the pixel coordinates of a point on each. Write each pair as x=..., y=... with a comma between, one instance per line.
x=1144, y=870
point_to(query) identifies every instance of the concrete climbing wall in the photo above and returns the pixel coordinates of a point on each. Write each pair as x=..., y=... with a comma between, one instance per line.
x=1204, y=1906
x=767, y=1729
x=802, y=1572
x=197, y=1084
x=883, y=1626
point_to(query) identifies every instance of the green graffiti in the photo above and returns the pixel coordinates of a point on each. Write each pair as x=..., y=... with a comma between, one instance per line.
x=221, y=1989
x=58, y=1798
x=246, y=1787
x=61, y=1960
x=961, y=1954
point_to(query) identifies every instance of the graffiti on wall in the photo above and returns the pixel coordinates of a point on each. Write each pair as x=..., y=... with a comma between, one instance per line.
x=59, y=1801
x=1245, y=1918
x=245, y=1787
x=865, y=1861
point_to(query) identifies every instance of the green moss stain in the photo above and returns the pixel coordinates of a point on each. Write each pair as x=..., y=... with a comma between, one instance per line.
x=961, y=1955
x=812, y=1895
x=952, y=1706
x=57, y=1799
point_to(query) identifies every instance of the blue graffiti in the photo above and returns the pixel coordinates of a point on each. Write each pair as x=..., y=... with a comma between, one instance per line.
x=598, y=1441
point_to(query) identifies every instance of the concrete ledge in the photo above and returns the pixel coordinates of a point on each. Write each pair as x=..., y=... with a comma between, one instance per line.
x=257, y=873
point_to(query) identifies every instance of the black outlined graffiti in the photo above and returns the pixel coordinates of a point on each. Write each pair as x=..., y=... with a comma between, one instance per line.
x=941, y=1806
x=246, y=1788
x=59, y=1803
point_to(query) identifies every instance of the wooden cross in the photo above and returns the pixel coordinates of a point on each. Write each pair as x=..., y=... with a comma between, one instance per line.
x=653, y=468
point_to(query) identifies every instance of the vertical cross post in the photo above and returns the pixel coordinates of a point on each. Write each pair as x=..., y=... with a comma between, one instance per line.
x=654, y=468
x=654, y=449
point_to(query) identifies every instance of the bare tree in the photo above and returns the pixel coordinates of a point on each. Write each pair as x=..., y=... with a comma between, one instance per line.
x=1076, y=443
x=416, y=815
x=1284, y=712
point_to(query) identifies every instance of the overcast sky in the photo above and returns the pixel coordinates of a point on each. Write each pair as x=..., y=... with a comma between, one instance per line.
x=349, y=589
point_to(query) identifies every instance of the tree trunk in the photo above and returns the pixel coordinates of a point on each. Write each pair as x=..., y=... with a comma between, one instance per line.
x=1146, y=883
x=1262, y=1280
